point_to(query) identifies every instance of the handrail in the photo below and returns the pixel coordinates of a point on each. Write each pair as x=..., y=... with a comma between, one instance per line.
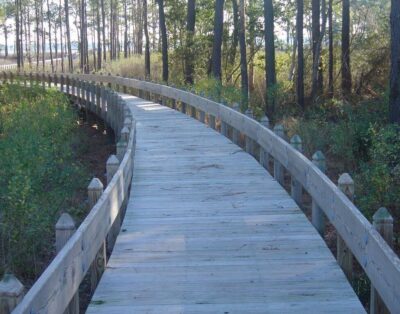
x=378, y=260
x=58, y=284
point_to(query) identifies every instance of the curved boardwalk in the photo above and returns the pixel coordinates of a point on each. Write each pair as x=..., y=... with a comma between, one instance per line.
x=208, y=230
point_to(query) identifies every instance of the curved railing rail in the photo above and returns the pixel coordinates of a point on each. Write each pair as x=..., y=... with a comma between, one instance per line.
x=85, y=249
x=376, y=257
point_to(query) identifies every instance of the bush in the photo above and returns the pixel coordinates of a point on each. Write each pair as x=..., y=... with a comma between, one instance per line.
x=37, y=173
x=379, y=179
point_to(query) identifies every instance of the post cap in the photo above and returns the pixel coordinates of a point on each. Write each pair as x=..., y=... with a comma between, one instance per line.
x=127, y=121
x=125, y=130
x=346, y=184
x=296, y=142
x=112, y=160
x=318, y=156
x=279, y=130
x=236, y=106
x=10, y=286
x=382, y=215
x=65, y=222
x=95, y=184
x=249, y=113
x=264, y=121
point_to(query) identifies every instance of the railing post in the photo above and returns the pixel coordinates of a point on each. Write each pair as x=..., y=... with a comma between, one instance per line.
x=278, y=168
x=318, y=217
x=264, y=156
x=111, y=168
x=183, y=107
x=11, y=293
x=296, y=188
x=121, y=149
x=249, y=144
x=344, y=255
x=383, y=223
x=95, y=189
x=65, y=228
x=125, y=134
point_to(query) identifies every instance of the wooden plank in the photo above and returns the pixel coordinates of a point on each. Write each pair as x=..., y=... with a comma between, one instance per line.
x=208, y=229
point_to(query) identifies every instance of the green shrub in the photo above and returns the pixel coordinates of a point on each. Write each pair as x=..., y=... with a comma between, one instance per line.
x=378, y=181
x=38, y=173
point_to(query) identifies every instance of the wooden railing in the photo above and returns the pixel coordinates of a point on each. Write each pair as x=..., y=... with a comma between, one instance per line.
x=356, y=235
x=84, y=249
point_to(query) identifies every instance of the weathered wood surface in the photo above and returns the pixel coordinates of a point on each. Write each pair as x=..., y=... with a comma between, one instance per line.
x=208, y=230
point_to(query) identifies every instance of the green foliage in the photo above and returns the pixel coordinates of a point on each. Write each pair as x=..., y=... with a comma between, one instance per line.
x=379, y=179
x=38, y=173
x=213, y=89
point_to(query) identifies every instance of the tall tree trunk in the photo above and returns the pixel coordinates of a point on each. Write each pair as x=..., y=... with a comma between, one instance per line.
x=317, y=79
x=17, y=35
x=43, y=31
x=394, y=96
x=218, y=29
x=315, y=31
x=6, y=40
x=67, y=28
x=190, y=28
x=103, y=29
x=235, y=38
x=99, y=54
x=50, y=42
x=331, y=64
x=293, y=60
x=243, y=56
x=147, y=44
x=300, y=53
x=125, y=30
x=61, y=36
x=269, y=56
x=346, y=72
x=140, y=21
x=252, y=43
x=37, y=34
x=163, y=29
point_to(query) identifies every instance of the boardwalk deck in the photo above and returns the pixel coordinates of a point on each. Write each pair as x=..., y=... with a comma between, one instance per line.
x=208, y=230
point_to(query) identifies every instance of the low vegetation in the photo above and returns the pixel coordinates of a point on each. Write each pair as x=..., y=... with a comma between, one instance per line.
x=40, y=174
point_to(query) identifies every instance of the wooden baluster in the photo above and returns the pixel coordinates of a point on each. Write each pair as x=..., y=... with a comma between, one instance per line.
x=193, y=112
x=11, y=293
x=95, y=189
x=249, y=143
x=264, y=156
x=224, y=128
x=344, y=255
x=296, y=188
x=111, y=168
x=65, y=228
x=383, y=223
x=279, y=130
x=183, y=107
x=318, y=217
x=211, y=121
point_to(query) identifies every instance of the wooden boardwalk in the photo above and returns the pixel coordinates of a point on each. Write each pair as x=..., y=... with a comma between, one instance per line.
x=208, y=230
